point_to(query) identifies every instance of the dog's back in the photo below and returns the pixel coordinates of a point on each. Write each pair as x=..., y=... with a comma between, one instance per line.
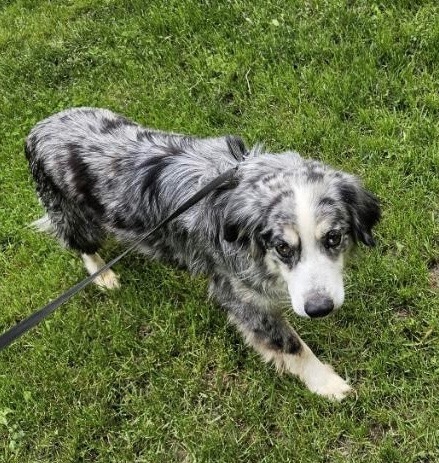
x=85, y=149
x=98, y=172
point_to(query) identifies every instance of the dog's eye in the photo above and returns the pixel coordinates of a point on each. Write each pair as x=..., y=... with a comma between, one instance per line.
x=285, y=250
x=332, y=239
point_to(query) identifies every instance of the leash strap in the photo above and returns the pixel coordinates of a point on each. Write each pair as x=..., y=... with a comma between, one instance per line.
x=21, y=327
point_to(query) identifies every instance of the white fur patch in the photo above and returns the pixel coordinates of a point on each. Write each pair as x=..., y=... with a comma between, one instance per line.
x=319, y=377
x=107, y=279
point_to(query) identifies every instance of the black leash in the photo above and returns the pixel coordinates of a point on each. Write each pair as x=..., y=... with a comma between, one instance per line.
x=21, y=327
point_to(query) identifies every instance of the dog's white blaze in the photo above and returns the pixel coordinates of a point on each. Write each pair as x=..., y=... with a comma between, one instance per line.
x=315, y=273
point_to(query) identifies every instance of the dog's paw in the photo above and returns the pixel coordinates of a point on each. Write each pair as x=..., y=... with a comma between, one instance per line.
x=107, y=280
x=328, y=384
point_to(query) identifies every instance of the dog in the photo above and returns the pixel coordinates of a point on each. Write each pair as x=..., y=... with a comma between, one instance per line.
x=277, y=235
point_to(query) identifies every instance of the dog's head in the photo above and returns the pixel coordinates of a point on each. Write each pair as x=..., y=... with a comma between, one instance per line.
x=300, y=217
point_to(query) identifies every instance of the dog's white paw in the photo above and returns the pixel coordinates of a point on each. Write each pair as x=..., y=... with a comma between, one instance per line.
x=107, y=280
x=327, y=383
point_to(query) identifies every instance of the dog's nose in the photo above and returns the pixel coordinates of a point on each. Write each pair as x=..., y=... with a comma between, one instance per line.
x=319, y=306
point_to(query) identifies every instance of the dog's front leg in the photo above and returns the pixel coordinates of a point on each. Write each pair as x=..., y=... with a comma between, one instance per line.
x=272, y=337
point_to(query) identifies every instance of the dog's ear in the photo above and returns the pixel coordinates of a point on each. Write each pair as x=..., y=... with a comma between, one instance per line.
x=364, y=210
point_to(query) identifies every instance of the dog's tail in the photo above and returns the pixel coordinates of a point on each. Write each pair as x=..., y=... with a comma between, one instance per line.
x=44, y=225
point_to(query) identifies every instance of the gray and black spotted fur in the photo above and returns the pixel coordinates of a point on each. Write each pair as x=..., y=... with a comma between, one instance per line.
x=98, y=174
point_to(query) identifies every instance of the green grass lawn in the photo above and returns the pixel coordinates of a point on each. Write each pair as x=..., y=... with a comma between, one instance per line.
x=152, y=372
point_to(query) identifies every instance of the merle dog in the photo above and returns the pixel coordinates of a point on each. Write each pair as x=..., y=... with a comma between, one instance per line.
x=279, y=233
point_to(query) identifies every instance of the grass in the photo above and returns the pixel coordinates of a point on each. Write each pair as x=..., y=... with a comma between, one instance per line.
x=152, y=373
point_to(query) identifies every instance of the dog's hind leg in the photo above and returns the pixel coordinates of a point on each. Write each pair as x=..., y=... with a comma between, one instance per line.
x=82, y=236
x=107, y=279
x=76, y=225
x=92, y=262
x=273, y=338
